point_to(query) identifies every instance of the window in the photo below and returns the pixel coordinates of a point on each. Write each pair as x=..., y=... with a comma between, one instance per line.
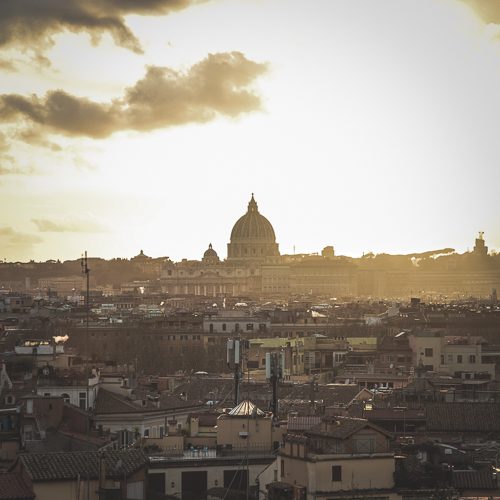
x=224, y=327
x=442, y=359
x=336, y=473
x=249, y=327
x=282, y=468
x=82, y=400
x=146, y=433
x=365, y=444
x=472, y=358
x=459, y=358
x=450, y=358
x=429, y=352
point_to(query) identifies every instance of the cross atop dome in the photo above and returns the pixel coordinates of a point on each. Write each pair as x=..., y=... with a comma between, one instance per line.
x=252, y=205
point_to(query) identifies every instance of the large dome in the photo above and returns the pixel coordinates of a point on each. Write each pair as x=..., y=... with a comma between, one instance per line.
x=253, y=226
x=252, y=236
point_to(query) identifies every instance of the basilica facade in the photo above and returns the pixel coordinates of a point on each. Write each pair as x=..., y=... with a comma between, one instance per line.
x=255, y=268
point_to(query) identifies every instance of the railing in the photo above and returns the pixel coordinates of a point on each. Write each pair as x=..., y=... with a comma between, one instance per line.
x=172, y=453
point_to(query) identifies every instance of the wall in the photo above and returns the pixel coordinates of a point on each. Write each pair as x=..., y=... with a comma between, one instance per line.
x=259, y=432
x=52, y=490
x=418, y=345
x=215, y=473
x=361, y=473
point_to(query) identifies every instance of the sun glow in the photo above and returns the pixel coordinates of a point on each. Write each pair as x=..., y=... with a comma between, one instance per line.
x=372, y=114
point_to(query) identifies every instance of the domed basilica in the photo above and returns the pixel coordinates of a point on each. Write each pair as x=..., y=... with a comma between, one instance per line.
x=252, y=237
x=254, y=266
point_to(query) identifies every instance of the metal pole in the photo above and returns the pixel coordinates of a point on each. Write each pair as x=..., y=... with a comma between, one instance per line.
x=86, y=271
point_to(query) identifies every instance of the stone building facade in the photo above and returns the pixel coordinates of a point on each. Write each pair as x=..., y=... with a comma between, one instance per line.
x=254, y=267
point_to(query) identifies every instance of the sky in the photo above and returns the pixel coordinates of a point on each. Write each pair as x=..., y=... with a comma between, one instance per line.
x=372, y=126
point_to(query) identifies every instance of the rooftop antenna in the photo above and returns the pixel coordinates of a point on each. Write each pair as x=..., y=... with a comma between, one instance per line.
x=234, y=353
x=275, y=365
x=86, y=272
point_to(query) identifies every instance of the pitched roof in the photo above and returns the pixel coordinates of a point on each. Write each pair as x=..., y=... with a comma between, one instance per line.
x=302, y=423
x=460, y=417
x=297, y=397
x=13, y=486
x=73, y=464
x=474, y=479
x=342, y=427
x=109, y=402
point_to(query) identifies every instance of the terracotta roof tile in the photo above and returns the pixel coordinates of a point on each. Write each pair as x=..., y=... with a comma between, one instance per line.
x=463, y=417
x=474, y=479
x=302, y=423
x=13, y=486
x=70, y=465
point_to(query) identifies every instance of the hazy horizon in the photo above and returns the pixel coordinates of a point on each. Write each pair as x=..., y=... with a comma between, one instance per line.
x=371, y=127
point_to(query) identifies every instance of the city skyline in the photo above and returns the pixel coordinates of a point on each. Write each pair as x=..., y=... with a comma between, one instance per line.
x=365, y=127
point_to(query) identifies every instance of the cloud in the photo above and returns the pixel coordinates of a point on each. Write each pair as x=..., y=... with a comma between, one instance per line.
x=34, y=137
x=33, y=23
x=12, y=169
x=9, y=237
x=3, y=143
x=218, y=85
x=8, y=165
x=7, y=66
x=68, y=225
x=487, y=10
x=6, y=160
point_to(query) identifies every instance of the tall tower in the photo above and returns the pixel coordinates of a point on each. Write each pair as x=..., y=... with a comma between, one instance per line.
x=480, y=247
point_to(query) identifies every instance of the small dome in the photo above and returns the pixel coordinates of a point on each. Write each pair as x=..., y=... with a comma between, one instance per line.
x=210, y=252
x=253, y=226
x=246, y=409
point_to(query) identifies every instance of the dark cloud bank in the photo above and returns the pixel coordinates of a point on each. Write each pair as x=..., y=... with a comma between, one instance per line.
x=33, y=22
x=487, y=10
x=164, y=97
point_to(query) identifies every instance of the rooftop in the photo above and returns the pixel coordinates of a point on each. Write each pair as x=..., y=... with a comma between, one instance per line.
x=73, y=464
x=13, y=486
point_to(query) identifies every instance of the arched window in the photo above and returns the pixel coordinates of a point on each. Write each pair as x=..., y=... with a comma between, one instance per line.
x=65, y=397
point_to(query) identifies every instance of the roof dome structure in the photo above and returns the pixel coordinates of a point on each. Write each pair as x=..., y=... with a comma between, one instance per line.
x=210, y=256
x=246, y=409
x=253, y=225
x=210, y=252
x=252, y=237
